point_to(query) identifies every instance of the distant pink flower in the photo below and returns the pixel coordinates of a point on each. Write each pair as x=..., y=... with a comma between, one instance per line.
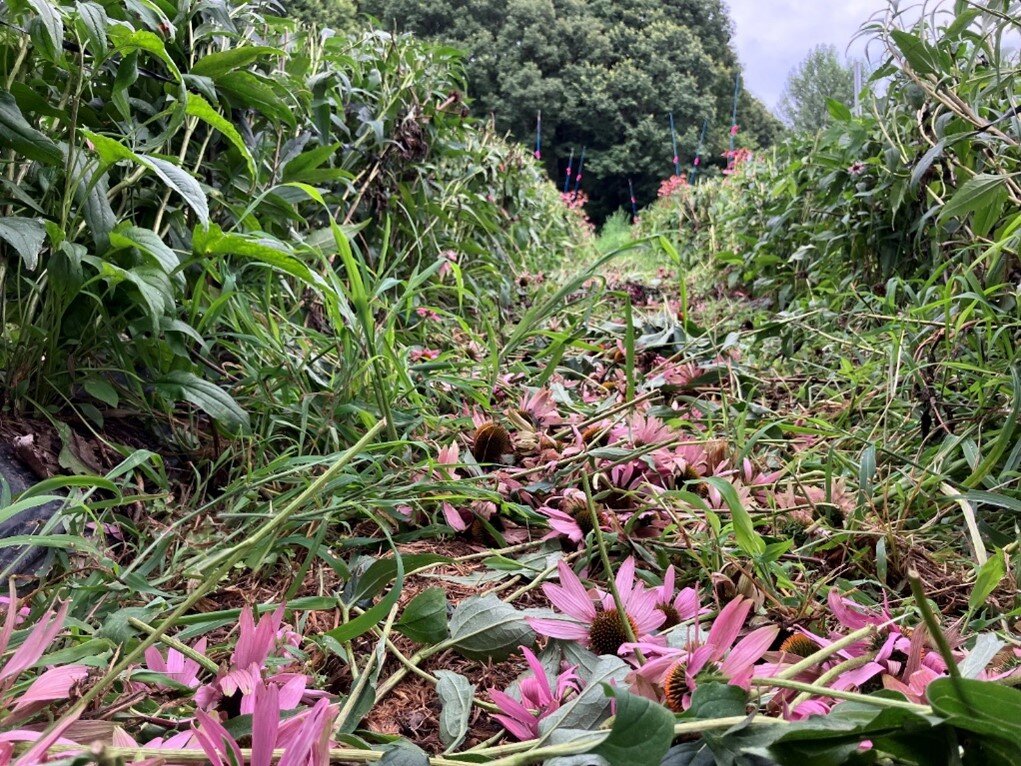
x=541, y=408
x=593, y=620
x=176, y=666
x=643, y=430
x=734, y=130
x=538, y=699
x=427, y=313
x=428, y=354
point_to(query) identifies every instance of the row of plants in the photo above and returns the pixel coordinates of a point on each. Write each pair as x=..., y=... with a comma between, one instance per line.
x=190, y=189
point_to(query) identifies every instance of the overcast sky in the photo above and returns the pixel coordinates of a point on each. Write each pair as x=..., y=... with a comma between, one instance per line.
x=773, y=36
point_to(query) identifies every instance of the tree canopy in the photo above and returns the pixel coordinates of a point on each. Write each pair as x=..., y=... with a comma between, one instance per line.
x=605, y=74
x=821, y=76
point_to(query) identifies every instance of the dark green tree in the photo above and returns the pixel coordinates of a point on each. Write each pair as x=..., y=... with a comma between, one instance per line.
x=336, y=14
x=604, y=73
x=821, y=76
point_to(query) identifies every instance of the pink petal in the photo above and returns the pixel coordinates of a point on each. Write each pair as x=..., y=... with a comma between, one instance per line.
x=625, y=579
x=727, y=625
x=314, y=727
x=573, y=631
x=749, y=650
x=519, y=730
x=37, y=642
x=154, y=660
x=453, y=518
x=540, y=674
x=216, y=741
x=666, y=590
x=53, y=684
x=570, y=597
x=858, y=676
x=265, y=723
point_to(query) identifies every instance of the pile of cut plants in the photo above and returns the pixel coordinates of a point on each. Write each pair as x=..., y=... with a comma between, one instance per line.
x=346, y=441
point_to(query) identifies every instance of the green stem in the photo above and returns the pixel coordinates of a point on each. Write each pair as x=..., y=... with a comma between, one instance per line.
x=822, y=691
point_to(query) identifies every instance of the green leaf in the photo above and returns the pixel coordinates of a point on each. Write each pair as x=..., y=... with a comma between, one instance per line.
x=52, y=24
x=989, y=576
x=125, y=39
x=383, y=571
x=365, y=621
x=484, y=627
x=838, y=110
x=987, y=708
x=748, y=539
x=404, y=753
x=199, y=107
x=100, y=389
x=456, y=693
x=250, y=91
x=590, y=707
x=216, y=64
x=26, y=236
x=95, y=21
x=641, y=734
x=263, y=249
x=208, y=397
x=149, y=243
x=182, y=182
x=22, y=137
x=716, y=700
x=919, y=54
x=425, y=618
x=978, y=192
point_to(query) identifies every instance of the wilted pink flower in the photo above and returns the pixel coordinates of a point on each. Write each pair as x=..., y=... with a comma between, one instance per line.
x=427, y=313
x=538, y=699
x=418, y=354
x=540, y=408
x=594, y=621
x=176, y=666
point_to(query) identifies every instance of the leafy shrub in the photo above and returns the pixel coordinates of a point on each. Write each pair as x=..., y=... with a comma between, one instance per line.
x=173, y=175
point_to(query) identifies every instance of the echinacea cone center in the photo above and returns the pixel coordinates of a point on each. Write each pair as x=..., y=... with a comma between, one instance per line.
x=798, y=644
x=609, y=631
x=672, y=616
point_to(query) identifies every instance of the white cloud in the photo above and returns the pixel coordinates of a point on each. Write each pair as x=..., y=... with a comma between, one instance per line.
x=774, y=36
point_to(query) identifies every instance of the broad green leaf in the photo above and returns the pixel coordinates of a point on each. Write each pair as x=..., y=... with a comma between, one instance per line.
x=484, y=627
x=149, y=243
x=380, y=573
x=404, y=753
x=919, y=54
x=199, y=107
x=16, y=133
x=182, y=182
x=265, y=250
x=455, y=693
x=250, y=91
x=215, y=64
x=987, y=708
x=838, y=110
x=716, y=700
x=125, y=39
x=590, y=707
x=95, y=21
x=26, y=236
x=214, y=401
x=110, y=151
x=642, y=731
x=52, y=24
x=425, y=617
x=978, y=192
